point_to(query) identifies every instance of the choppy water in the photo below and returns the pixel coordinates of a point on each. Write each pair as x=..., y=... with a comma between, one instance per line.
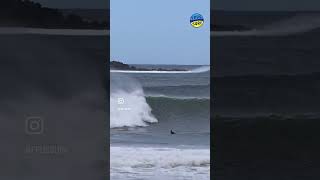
x=273, y=69
x=153, y=104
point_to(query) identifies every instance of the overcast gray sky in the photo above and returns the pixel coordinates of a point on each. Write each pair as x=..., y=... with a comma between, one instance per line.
x=215, y=4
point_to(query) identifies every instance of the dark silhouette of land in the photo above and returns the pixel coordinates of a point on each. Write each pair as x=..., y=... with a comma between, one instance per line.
x=30, y=14
x=116, y=65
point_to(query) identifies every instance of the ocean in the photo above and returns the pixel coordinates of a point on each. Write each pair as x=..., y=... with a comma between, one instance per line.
x=273, y=68
x=60, y=81
x=265, y=104
x=266, y=96
x=153, y=104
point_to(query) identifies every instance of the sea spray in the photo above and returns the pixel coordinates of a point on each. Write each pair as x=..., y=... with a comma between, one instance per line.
x=128, y=105
x=297, y=24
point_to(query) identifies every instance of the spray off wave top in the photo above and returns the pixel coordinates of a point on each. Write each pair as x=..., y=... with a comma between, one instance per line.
x=297, y=24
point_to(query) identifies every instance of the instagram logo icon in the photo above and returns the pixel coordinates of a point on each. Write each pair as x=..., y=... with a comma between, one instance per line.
x=34, y=125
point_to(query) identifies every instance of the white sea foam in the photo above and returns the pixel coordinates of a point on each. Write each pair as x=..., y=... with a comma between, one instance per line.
x=295, y=25
x=128, y=105
x=196, y=70
x=167, y=163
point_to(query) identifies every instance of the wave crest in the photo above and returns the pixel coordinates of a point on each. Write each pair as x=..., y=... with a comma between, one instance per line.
x=159, y=163
x=159, y=157
x=297, y=24
x=128, y=105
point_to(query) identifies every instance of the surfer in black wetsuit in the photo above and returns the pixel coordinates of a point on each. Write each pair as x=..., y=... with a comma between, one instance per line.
x=172, y=132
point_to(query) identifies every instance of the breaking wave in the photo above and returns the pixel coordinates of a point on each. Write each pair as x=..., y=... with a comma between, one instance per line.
x=297, y=24
x=128, y=105
x=172, y=162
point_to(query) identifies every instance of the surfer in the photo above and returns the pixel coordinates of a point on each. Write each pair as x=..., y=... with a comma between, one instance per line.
x=172, y=132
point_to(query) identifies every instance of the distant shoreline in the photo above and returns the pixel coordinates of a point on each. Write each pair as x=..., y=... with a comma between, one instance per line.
x=31, y=14
x=44, y=31
x=116, y=65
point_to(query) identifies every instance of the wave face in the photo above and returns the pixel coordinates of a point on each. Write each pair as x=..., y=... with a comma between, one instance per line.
x=128, y=105
x=144, y=151
x=297, y=24
x=159, y=163
x=179, y=91
x=139, y=110
x=267, y=94
x=166, y=98
x=182, y=106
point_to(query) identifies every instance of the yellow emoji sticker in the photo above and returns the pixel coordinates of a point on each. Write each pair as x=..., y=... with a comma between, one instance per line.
x=196, y=20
